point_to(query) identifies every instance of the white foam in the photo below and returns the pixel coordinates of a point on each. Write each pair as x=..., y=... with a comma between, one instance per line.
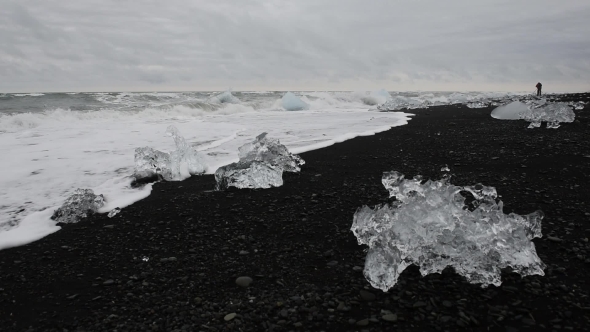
x=28, y=94
x=50, y=154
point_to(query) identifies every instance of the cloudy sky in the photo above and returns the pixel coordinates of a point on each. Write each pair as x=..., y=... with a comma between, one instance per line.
x=155, y=45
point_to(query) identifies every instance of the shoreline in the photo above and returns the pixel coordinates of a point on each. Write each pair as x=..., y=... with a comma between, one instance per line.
x=293, y=235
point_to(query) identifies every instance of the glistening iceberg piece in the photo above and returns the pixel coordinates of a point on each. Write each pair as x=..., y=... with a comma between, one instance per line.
x=261, y=165
x=81, y=203
x=291, y=102
x=430, y=225
x=272, y=152
x=224, y=97
x=253, y=174
x=175, y=166
x=553, y=114
x=509, y=111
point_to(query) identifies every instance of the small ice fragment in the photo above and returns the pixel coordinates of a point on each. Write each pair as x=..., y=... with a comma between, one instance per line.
x=477, y=104
x=174, y=166
x=431, y=226
x=291, y=102
x=261, y=165
x=81, y=203
x=114, y=212
x=225, y=97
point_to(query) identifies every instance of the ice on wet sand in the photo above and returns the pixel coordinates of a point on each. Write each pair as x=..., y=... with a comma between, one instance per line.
x=81, y=203
x=261, y=165
x=430, y=225
x=553, y=114
x=174, y=166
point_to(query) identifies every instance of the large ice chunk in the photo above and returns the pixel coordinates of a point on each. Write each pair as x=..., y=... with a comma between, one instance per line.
x=510, y=111
x=431, y=225
x=81, y=203
x=174, y=166
x=261, y=165
x=224, y=97
x=291, y=102
x=553, y=114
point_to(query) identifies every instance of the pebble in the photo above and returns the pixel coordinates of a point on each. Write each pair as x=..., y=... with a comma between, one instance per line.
x=390, y=317
x=554, y=239
x=109, y=282
x=367, y=296
x=357, y=268
x=363, y=322
x=332, y=263
x=447, y=304
x=244, y=281
x=342, y=307
x=229, y=317
x=244, y=252
x=419, y=304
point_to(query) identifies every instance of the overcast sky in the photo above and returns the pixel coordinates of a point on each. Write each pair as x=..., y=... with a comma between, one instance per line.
x=125, y=45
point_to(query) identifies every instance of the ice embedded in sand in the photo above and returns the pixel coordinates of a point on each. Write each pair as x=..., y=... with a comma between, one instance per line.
x=509, y=111
x=81, y=203
x=261, y=165
x=430, y=225
x=291, y=102
x=174, y=166
x=553, y=114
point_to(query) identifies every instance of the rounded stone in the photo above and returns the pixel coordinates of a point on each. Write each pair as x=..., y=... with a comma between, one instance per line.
x=390, y=318
x=244, y=281
x=229, y=317
x=363, y=322
x=367, y=296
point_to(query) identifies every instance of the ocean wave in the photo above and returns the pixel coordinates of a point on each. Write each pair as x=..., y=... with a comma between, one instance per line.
x=28, y=94
x=22, y=121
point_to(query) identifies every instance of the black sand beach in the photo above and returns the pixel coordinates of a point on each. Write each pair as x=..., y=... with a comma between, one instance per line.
x=170, y=262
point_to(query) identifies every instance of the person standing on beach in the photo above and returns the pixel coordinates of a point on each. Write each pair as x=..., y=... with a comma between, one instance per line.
x=539, y=86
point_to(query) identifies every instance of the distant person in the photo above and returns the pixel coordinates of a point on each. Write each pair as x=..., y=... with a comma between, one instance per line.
x=539, y=86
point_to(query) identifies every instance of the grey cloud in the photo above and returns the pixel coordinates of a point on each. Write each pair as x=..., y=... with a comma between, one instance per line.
x=308, y=44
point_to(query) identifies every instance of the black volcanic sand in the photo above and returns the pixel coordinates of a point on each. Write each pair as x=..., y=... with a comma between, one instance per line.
x=295, y=243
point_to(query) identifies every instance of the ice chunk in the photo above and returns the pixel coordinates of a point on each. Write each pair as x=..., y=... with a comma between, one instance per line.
x=291, y=102
x=270, y=151
x=261, y=165
x=477, y=104
x=114, y=212
x=510, y=111
x=224, y=97
x=553, y=114
x=81, y=203
x=185, y=154
x=579, y=105
x=430, y=225
x=253, y=174
x=174, y=166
